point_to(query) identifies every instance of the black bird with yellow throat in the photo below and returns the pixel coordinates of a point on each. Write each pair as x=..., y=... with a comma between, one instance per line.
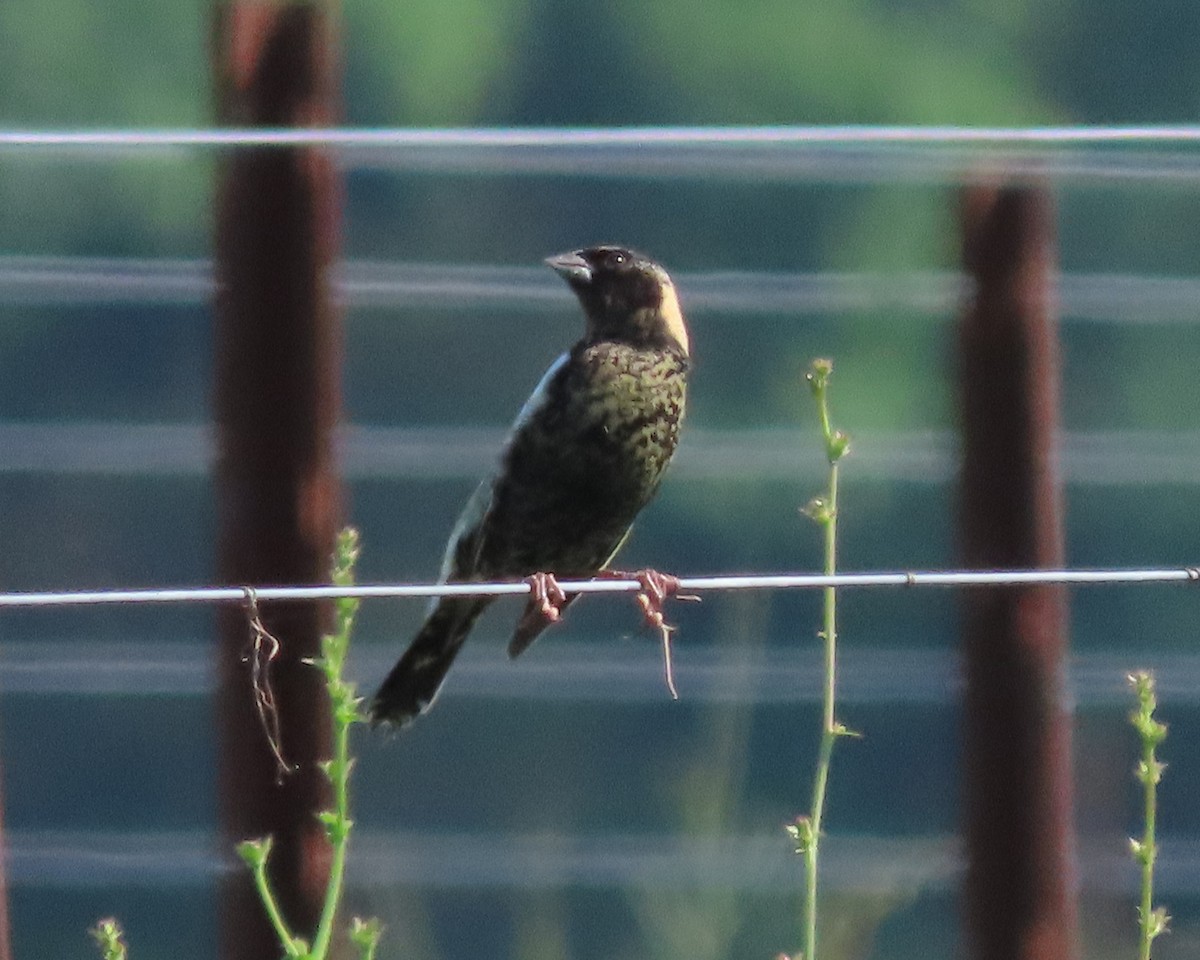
x=586, y=453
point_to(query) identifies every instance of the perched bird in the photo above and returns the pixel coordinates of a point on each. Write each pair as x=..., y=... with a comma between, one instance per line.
x=586, y=453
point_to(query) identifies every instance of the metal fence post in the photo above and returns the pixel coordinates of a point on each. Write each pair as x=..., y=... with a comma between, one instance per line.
x=276, y=402
x=1020, y=884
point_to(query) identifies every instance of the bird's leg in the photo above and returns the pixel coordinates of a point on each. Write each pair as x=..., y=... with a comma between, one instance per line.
x=546, y=600
x=545, y=606
x=656, y=587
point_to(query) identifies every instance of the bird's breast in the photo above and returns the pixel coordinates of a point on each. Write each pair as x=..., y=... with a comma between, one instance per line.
x=608, y=425
x=585, y=460
x=626, y=411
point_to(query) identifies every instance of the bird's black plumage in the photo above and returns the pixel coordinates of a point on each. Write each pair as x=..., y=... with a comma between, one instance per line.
x=586, y=453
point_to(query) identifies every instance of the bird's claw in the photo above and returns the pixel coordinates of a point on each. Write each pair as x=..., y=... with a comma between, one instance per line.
x=546, y=597
x=656, y=588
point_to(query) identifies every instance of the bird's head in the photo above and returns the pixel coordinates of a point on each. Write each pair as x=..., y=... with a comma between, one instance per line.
x=627, y=296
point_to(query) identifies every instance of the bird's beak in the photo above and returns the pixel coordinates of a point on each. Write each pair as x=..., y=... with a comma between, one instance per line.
x=571, y=267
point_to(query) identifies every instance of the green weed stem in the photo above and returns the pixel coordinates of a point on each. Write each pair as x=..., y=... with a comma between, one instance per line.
x=345, y=713
x=337, y=823
x=1152, y=921
x=256, y=854
x=364, y=935
x=806, y=831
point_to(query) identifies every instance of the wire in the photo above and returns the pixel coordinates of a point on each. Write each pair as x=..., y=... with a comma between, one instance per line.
x=387, y=860
x=1106, y=459
x=595, y=668
x=83, y=859
x=599, y=136
x=1120, y=298
x=849, y=154
x=784, y=581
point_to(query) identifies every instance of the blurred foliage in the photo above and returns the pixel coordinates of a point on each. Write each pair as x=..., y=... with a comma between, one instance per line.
x=134, y=63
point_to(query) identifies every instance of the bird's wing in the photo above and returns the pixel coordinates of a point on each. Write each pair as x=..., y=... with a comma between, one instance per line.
x=540, y=395
x=461, y=561
x=616, y=549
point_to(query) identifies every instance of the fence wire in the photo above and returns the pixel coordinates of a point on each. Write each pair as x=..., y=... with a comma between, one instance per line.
x=601, y=136
x=1107, y=459
x=694, y=584
x=363, y=284
x=847, y=154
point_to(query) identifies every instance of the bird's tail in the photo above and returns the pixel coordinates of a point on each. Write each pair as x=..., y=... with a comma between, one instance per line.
x=414, y=682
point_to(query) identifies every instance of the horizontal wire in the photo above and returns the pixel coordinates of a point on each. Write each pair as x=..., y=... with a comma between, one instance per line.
x=1109, y=458
x=843, y=154
x=572, y=136
x=585, y=670
x=749, y=862
x=785, y=581
x=589, y=860
x=1122, y=298
x=598, y=668
x=33, y=280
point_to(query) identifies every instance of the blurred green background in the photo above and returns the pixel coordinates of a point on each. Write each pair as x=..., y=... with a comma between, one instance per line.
x=562, y=806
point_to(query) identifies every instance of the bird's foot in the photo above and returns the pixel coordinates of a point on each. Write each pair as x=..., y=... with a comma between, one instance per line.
x=656, y=588
x=546, y=600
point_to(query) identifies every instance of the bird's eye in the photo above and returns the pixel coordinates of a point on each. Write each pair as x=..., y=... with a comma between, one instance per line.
x=617, y=259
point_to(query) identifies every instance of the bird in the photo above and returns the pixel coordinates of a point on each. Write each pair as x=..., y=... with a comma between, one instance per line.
x=585, y=454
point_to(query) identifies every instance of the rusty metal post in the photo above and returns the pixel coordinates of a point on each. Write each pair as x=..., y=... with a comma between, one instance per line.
x=1020, y=884
x=276, y=402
